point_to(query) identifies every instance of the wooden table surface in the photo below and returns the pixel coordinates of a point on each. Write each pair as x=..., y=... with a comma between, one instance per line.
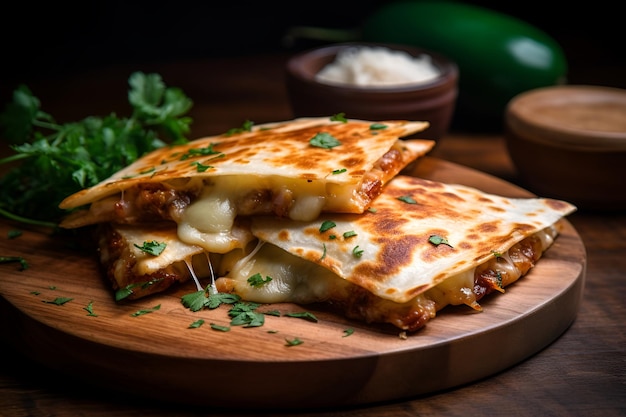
x=582, y=373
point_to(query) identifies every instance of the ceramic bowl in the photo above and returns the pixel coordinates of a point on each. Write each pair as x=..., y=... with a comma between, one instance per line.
x=432, y=101
x=569, y=142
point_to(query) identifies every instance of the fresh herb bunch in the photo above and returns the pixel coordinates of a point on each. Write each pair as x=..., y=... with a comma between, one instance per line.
x=52, y=161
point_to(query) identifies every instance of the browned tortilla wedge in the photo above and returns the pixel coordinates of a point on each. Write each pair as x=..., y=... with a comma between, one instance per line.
x=295, y=168
x=424, y=245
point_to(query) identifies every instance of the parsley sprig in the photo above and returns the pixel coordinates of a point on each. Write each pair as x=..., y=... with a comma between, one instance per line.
x=54, y=160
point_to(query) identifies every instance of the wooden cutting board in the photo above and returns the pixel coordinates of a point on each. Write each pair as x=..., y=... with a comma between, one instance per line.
x=159, y=355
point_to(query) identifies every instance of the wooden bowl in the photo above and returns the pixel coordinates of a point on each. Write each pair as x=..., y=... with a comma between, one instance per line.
x=431, y=101
x=569, y=142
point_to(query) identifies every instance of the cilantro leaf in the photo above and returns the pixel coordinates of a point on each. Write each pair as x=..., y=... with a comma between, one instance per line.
x=438, y=240
x=324, y=140
x=152, y=248
x=55, y=160
x=257, y=280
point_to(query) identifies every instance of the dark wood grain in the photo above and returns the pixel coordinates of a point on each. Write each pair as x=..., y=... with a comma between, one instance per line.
x=371, y=365
x=582, y=373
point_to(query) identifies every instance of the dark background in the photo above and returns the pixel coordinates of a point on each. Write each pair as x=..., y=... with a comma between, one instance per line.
x=48, y=40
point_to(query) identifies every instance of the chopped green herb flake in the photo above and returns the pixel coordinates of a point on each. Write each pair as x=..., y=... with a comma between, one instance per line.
x=407, y=199
x=293, y=342
x=198, y=300
x=327, y=225
x=339, y=171
x=194, y=152
x=349, y=234
x=357, y=252
x=378, y=126
x=146, y=311
x=245, y=127
x=257, y=280
x=339, y=117
x=201, y=167
x=58, y=301
x=348, y=332
x=152, y=248
x=438, y=240
x=89, y=309
x=244, y=314
x=220, y=328
x=324, y=140
x=303, y=315
x=9, y=259
x=196, y=324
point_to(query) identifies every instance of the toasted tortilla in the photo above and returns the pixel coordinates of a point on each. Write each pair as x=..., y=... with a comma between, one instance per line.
x=418, y=234
x=423, y=245
x=304, y=166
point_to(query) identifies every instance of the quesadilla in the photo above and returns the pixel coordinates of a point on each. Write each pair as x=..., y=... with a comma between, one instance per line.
x=199, y=194
x=423, y=245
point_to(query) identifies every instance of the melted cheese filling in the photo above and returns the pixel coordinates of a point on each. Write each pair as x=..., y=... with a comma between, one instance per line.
x=209, y=221
x=296, y=280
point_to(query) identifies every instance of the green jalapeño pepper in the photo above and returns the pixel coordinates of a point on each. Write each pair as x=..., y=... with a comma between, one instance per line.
x=498, y=56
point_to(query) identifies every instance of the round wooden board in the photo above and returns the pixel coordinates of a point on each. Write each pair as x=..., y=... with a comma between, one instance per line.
x=158, y=355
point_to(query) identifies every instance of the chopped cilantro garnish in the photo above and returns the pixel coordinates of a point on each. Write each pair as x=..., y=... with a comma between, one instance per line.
x=293, y=342
x=438, y=240
x=59, y=301
x=339, y=117
x=324, y=140
x=407, y=199
x=152, y=248
x=146, y=311
x=257, y=280
x=22, y=261
x=206, y=151
x=128, y=290
x=357, y=252
x=89, y=309
x=245, y=127
x=201, y=167
x=198, y=300
x=327, y=225
x=220, y=328
x=244, y=314
x=303, y=315
x=378, y=126
x=349, y=234
x=323, y=252
x=196, y=324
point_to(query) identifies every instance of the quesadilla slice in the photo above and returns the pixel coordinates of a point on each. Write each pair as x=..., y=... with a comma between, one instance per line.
x=422, y=246
x=195, y=195
x=295, y=169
